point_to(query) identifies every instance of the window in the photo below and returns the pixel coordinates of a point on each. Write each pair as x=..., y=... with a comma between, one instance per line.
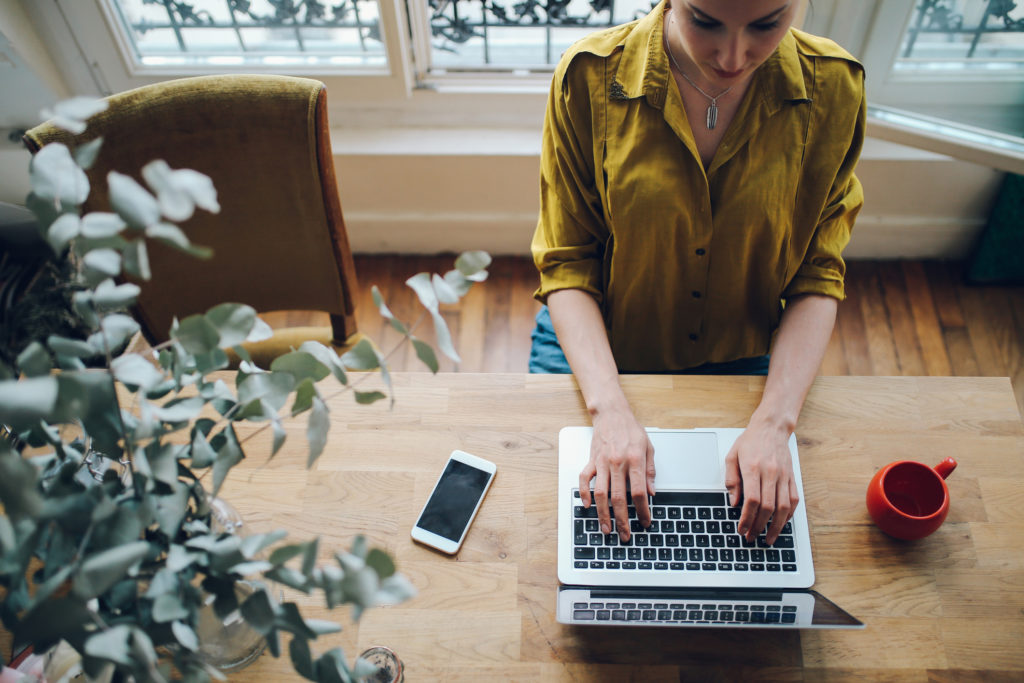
x=252, y=33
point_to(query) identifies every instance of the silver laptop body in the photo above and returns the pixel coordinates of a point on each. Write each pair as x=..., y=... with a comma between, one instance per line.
x=695, y=570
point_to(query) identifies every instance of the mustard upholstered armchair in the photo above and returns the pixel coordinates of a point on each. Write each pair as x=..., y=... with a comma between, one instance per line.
x=279, y=241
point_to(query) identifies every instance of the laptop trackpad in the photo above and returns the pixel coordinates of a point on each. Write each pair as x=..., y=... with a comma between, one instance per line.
x=687, y=460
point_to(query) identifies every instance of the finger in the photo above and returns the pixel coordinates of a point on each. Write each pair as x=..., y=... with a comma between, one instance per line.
x=601, y=499
x=650, y=468
x=586, y=475
x=782, y=513
x=638, y=487
x=768, y=487
x=618, y=503
x=733, y=480
x=751, y=504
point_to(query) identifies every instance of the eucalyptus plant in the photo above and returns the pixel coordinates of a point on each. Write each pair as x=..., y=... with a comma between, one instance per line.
x=109, y=463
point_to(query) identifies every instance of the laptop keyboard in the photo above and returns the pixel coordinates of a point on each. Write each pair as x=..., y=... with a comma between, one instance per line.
x=684, y=613
x=691, y=531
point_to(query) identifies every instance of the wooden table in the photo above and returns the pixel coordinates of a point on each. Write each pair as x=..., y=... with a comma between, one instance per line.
x=947, y=607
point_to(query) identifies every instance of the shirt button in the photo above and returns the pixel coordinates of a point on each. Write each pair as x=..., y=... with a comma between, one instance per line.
x=693, y=337
x=696, y=295
x=700, y=252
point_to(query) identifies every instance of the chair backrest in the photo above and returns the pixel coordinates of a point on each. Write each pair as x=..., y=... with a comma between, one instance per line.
x=279, y=241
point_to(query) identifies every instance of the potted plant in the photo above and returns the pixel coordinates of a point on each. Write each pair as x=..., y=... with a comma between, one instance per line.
x=112, y=540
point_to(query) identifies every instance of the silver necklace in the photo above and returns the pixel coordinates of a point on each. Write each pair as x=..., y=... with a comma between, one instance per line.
x=712, y=113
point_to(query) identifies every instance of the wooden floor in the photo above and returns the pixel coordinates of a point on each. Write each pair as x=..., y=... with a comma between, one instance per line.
x=900, y=318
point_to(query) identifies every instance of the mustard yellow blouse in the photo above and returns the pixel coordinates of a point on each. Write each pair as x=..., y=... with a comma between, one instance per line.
x=692, y=266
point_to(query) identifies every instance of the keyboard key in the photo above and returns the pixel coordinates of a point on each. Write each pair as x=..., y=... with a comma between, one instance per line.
x=618, y=553
x=675, y=513
x=733, y=513
x=696, y=615
x=659, y=513
x=698, y=527
x=664, y=615
x=708, y=566
x=743, y=616
x=629, y=565
x=693, y=566
x=634, y=553
x=741, y=566
x=579, y=564
x=661, y=565
x=718, y=513
x=687, y=540
x=618, y=615
x=784, y=542
x=604, y=553
x=584, y=553
x=788, y=618
x=645, y=565
x=689, y=513
x=682, y=527
x=633, y=615
x=596, y=565
x=703, y=513
x=773, y=618
x=595, y=539
x=718, y=541
x=591, y=525
x=676, y=566
x=650, y=554
x=757, y=567
x=724, y=567
x=649, y=615
x=585, y=513
x=788, y=556
x=612, y=565
x=714, y=527
x=774, y=567
x=672, y=540
x=789, y=567
x=703, y=541
x=664, y=554
x=583, y=614
x=603, y=615
x=679, y=615
x=727, y=616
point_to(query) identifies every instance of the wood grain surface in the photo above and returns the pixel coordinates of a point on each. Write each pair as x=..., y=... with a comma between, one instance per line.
x=948, y=607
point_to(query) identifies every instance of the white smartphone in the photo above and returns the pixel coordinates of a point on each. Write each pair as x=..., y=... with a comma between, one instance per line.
x=453, y=504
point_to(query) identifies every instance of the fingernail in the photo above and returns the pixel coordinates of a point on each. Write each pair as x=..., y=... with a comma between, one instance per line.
x=744, y=530
x=605, y=529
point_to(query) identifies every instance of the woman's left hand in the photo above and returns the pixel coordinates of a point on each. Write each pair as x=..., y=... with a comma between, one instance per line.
x=759, y=472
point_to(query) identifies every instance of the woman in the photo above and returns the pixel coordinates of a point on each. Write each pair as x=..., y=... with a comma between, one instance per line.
x=697, y=189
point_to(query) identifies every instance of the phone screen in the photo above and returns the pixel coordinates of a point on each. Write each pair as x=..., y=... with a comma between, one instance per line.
x=453, y=501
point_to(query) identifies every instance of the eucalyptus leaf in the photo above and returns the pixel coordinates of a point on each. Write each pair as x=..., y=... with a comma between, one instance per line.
x=367, y=397
x=71, y=114
x=259, y=611
x=56, y=178
x=179, y=410
x=168, y=607
x=101, y=224
x=444, y=337
x=421, y=284
x=302, y=660
x=229, y=455
x=202, y=454
x=233, y=322
x=131, y=201
x=85, y=155
x=304, y=394
x=378, y=301
x=109, y=296
x=380, y=562
x=255, y=543
x=111, y=644
x=66, y=228
x=425, y=352
x=136, y=259
x=309, y=557
x=274, y=387
x=446, y=294
x=326, y=356
x=261, y=331
x=301, y=365
x=196, y=334
x=363, y=669
x=18, y=484
x=102, y=570
x=134, y=370
x=316, y=430
x=105, y=261
x=180, y=191
x=34, y=360
x=472, y=264
x=169, y=234
x=28, y=400
x=362, y=356
x=76, y=348
x=184, y=634
x=179, y=557
x=115, y=331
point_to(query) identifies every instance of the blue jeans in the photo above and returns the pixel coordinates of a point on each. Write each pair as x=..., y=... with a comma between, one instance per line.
x=546, y=356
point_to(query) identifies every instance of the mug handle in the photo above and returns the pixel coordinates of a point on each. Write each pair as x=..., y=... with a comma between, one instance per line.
x=946, y=467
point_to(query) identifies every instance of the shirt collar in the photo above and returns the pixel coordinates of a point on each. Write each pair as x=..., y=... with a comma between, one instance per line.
x=643, y=70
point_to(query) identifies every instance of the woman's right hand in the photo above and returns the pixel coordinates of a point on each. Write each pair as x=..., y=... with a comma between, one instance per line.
x=621, y=462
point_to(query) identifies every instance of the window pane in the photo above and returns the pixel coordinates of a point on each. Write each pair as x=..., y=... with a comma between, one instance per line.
x=254, y=33
x=517, y=34
x=959, y=35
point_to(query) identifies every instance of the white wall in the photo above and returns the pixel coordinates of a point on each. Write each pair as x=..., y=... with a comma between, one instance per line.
x=473, y=191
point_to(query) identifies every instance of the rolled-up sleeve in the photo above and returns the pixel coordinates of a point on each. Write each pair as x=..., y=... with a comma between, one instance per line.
x=823, y=269
x=568, y=244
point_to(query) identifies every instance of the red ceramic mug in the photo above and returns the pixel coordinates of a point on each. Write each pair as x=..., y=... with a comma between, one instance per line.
x=910, y=500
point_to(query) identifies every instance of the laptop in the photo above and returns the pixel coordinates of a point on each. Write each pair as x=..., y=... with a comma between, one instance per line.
x=689, y=568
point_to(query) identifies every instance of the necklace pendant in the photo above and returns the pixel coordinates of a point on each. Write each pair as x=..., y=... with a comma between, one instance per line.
x=712, y=118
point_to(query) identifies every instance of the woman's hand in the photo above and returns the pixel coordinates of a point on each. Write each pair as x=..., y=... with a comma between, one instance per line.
x=759, y=472
x=621, y=462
